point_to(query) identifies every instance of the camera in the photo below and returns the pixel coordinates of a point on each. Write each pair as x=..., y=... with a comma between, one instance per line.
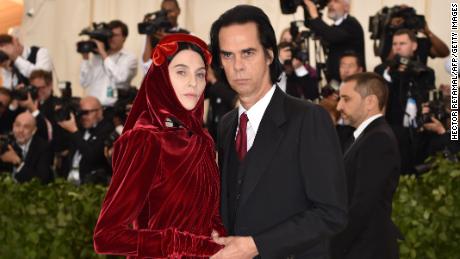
x=437, y=108
x=110, y=140
x=290, y=6
x=381, y=27
x=412, y=67
x=3, y=57
x=5, y=140
x=21, y=93
x=153, y=22
x=99, y=31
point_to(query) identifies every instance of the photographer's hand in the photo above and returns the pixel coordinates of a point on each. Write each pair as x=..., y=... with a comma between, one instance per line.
x=10, y=156
x=69, y=125
x=101, y=49
x=435, y=126
x=30, y=104
x=311, y=9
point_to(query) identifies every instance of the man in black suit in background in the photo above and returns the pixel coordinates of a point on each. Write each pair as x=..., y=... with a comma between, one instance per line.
x=346, y=34
x=29, y=156
x=283, y=181
x=372, y=165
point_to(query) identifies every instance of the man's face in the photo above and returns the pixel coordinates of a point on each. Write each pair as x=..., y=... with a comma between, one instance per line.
x=24, y=128
x=91, y=113
x=117, y=40
x=351, y=105
x=44, y=90
x=403, y=46
x=349, y=66
x=336, y=9
x=173, y=11
x=244, y=60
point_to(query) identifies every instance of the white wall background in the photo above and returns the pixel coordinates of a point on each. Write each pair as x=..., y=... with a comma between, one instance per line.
x=56, y=24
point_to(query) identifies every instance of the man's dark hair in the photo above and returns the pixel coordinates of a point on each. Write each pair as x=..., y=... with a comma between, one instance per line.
x=172, y=1
x=43, y=74
x=353, y=54
x=243, y=14
x=119, y=24
x=369, y=83
x=408, y=32
x=5, y=39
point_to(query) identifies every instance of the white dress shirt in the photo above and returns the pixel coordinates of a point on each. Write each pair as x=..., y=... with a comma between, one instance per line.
x=43, y=61
x=364, y=125
x=255, y=114
x=102, y=78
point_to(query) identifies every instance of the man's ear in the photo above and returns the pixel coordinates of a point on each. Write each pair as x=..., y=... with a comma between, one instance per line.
x=269, y=56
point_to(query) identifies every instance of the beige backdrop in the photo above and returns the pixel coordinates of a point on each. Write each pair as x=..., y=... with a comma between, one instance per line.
x=56, y=24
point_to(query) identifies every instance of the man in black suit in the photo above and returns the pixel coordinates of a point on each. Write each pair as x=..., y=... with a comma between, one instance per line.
x=283, y=180
x=372, y=166
x=86, y=161
x=346, y=34
x=29, y=156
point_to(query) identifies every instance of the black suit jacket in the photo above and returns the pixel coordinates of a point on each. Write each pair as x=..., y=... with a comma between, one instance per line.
x=293, y=197
x=93, y=166
x=372, y=166
x=348, y=36
x=37, y=162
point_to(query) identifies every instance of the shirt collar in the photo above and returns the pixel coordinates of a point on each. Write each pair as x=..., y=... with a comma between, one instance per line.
x=25, y=147
x=364, y=125
x=340, y=20
x=26, y=52
x=256, y=112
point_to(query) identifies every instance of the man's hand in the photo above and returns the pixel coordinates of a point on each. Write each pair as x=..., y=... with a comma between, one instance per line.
x=10, y=156
x=435, y=126
x=30, y=104
x=236, y=247
x=69, y=125
x=312, y=10
x=101, y=49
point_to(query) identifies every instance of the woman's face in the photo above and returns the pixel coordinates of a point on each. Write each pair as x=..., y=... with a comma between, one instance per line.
x=187, y=73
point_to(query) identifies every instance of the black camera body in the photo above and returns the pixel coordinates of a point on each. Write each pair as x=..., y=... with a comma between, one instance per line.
x=413, y=67
x=110, y=140
x=65, y=106
x=21, y=93
x=154, y=22
x=5, y=140
x=437, y=108
x=290, y=6
x=3, y=57
x=100, y=32
x=380, y=23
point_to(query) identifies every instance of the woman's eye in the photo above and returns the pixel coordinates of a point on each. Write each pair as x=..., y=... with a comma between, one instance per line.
x=201, y=75
x=181, y=72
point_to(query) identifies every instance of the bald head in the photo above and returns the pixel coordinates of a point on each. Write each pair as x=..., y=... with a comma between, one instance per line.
x=91, y=110
x=24, y=127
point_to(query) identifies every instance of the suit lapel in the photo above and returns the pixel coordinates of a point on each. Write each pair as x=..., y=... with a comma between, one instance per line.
x=373, y=124
x=228, y=142
x=268, y=137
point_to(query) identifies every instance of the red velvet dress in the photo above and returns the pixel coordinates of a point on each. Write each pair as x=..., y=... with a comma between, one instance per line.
x=163, y=201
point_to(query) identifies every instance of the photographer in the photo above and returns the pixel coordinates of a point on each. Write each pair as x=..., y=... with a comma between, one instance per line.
x=298, y=79
x=110, y=69
x=404, y=17
x=344, y=35
x=350, y=64
x=22, y=60
x=86, y=162
x=409, y=83
x=28, y=155
x=7, y=115
x=171, y=7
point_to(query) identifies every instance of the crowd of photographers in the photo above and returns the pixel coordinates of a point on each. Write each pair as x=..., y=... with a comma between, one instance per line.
x=46, y=136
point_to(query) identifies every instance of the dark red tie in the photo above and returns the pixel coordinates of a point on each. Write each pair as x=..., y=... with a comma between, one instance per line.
x=241, y=138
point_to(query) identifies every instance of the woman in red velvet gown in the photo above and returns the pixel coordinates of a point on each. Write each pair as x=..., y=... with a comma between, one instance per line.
x=163, y=201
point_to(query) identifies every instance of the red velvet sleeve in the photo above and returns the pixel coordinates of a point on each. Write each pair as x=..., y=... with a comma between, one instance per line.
x=135, y=164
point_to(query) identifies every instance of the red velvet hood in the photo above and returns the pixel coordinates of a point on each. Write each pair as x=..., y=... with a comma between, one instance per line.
x=156, y=100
